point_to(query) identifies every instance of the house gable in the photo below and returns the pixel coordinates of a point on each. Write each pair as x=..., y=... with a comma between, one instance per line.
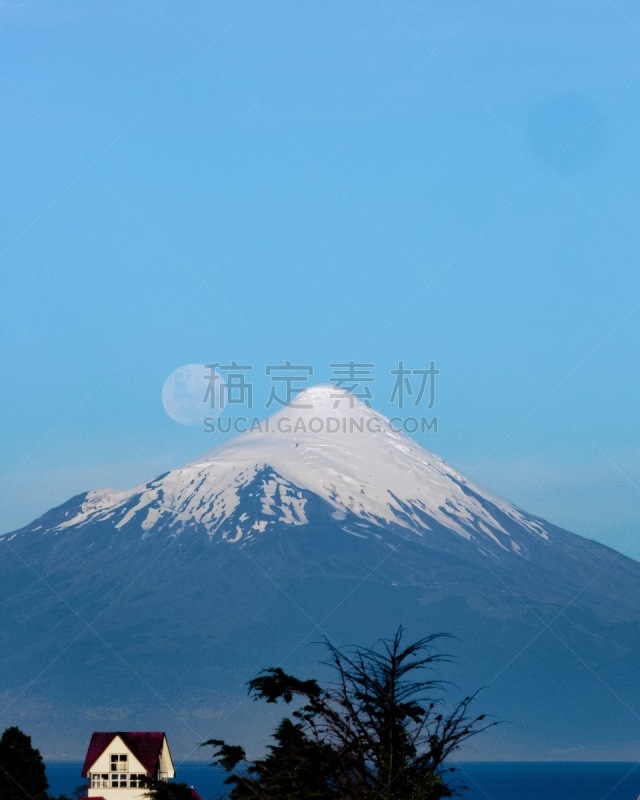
x=147, y=752
x=118, y=746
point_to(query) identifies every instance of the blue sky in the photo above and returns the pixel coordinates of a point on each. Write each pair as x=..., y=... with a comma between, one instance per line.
x=451, y=182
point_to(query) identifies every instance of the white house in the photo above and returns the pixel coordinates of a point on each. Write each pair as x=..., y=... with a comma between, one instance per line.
x=118, y=762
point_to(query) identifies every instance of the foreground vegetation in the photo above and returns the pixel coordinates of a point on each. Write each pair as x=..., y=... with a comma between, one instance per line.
x=22, y=771
x=381, y=729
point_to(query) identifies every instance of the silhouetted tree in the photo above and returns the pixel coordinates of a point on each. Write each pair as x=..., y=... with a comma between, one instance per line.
x=22, y=771
x=379, y=730
x=296, y=766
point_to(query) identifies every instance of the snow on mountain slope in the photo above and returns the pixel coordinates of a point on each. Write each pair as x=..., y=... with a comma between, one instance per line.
x=326, y=444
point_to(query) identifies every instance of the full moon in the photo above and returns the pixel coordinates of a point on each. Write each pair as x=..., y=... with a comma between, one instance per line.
x=190, y=394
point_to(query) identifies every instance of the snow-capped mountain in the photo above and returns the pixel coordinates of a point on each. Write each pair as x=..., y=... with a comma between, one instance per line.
x=152, y=607
x=328, y=444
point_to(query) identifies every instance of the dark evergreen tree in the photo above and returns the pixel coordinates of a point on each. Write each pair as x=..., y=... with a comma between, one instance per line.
x=22, y=771
x=296, y=766
x=380, y=730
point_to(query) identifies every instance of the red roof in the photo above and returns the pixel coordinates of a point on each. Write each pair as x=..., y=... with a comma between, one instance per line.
x=145, y=746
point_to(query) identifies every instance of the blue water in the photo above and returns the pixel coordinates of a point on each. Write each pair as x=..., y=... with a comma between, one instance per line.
x=486, y=781
x=551, y=781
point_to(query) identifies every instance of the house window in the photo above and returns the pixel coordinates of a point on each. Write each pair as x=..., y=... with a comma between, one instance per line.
x=137, y=781
x=99, y=780
x=118, y=762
